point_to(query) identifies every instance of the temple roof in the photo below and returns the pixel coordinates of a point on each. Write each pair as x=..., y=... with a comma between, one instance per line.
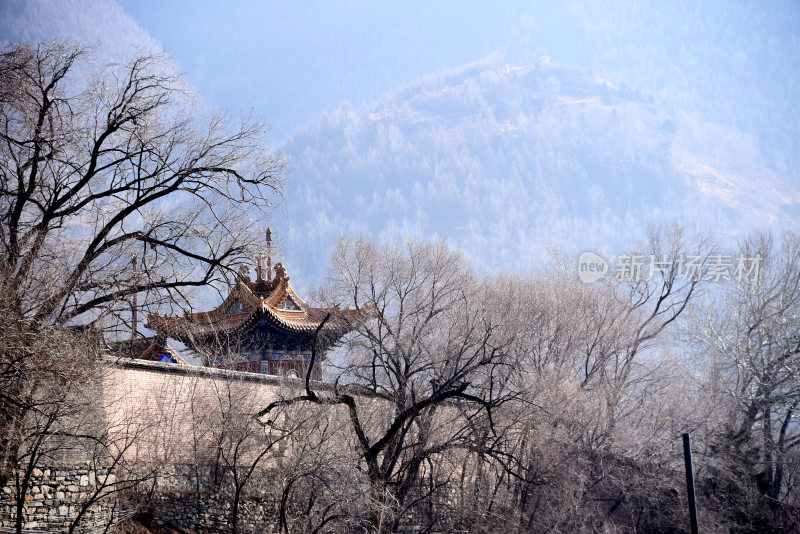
x=244, y=305
x=154, y=348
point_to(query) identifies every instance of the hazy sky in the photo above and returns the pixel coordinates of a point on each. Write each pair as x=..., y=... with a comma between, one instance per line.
x=293, y=60
x=443, y=118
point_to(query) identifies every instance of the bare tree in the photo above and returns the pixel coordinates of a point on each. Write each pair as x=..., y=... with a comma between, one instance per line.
x=242, y=443
x=66, y=423
x=97, y=169
x=116, y=473
x=610, y=333
x=426, y=361
x=50, y=405
x=322, y=490
x=594, y=375
x=751, y=333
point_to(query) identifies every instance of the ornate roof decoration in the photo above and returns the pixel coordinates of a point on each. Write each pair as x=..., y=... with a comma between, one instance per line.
x=247, y=302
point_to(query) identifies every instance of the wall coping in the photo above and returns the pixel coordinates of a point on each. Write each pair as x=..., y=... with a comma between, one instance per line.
x=228, y=374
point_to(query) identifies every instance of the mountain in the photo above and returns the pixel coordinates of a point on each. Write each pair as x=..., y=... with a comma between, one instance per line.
x=506, y=161
x=102, y=25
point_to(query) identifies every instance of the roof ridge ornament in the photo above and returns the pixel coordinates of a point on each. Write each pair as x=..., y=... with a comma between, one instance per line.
x=280, y=273
x=269, y=253
x=261, y=269
x=264, y=261
x=244, y=272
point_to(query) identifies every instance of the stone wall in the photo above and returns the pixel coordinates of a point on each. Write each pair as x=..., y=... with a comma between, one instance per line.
x=165, y=406
x=56, y=495
x=206, y=513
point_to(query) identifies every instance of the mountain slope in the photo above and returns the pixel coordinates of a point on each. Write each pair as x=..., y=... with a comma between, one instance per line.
x=505, y=161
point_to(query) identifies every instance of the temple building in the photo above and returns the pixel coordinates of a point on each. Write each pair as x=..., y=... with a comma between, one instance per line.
x=262, y=326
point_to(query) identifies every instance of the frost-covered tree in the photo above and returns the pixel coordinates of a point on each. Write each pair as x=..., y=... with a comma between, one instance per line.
x=751, y=334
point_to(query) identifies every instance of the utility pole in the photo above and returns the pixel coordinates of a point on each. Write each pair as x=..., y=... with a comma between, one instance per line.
x=687, y=459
